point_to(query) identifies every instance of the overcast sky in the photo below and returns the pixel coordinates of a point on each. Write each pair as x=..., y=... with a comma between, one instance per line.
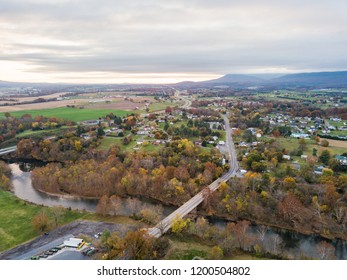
x=167, y=41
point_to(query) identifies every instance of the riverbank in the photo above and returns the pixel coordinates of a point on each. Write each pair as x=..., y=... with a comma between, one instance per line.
x=22, y=182
x=16, y=219
x=226, y=219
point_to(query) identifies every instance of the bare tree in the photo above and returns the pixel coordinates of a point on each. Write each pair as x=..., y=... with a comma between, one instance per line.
x=206, y=194
x=115, y=204
x=57, y=213
x=340, y=213
x=261, y=233
x=276, y=244
x=240, y=232
x=134, y=205
x=325, y=251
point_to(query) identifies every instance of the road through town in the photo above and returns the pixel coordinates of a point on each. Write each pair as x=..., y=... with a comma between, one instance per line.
x=191, y=204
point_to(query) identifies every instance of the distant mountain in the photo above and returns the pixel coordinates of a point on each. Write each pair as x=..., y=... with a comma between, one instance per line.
x=235, y=79
x=327, y=79
x=308, y=80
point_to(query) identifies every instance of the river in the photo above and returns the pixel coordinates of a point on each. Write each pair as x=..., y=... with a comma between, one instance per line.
x=23, y=188
x=290, y=243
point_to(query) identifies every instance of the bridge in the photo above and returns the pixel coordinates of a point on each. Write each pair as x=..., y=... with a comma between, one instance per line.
x=8, y=150
x=191, y=204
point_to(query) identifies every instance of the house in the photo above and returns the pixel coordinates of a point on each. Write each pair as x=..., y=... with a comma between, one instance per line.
x=243, y=145
x=73, y=242
x=85, y=136
x=341, y=159
x=300, y=135
x=318, y=170
x=286, y=157
x=142, y=132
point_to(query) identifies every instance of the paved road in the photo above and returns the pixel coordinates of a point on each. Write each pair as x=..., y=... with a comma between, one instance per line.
x=58, y=235
x=191, y=204
x=187, y=102
x=8, y=150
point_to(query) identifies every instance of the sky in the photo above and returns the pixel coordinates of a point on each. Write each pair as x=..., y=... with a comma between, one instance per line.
x=156, y=41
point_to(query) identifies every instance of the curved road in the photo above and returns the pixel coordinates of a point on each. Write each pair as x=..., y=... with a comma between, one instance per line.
x=191, y=204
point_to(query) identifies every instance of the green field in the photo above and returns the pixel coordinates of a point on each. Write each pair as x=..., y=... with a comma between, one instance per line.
x=192, y=247
x=109, y=142
x=292, y=144
x=43, y=133
x=161, y=106
x=15, y=220
x=73, y=114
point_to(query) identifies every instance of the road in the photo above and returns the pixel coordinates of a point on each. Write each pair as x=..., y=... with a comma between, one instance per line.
x=8, y=150
x=187, y=102
x=191, y=204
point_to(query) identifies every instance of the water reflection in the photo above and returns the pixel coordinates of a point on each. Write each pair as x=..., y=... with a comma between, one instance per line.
x=290, y=243
x=22, y=185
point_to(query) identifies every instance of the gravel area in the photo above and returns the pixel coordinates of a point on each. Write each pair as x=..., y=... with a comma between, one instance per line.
x=58, y=235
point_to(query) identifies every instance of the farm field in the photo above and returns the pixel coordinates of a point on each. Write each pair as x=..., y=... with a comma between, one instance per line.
x=337, y=147
x=73, y=114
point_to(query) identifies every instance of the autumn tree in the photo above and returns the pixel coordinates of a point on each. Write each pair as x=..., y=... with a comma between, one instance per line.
x=114, y=244
x=57, y=214
x=103, y=205
x=240, y=232
x=216, y=253
x=179, y=224
x=289, y=182
x=152, y=215
x=325, y=157
x=325, y=143
x=302, y=144
x=41, y=222
x=291, y=209
x=134, y=205
x=138, y=245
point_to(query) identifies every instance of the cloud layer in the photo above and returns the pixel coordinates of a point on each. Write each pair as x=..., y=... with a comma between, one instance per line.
x=106, y=39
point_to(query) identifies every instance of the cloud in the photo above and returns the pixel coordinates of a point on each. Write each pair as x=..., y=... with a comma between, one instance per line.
x=206, y=37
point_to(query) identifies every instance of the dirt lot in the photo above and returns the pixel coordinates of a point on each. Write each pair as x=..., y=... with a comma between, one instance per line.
x=116, y=104
x=337, y=143
x=76, y=228
x=38, y=106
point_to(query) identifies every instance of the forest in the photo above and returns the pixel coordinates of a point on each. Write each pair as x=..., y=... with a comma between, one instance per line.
x=172, y=175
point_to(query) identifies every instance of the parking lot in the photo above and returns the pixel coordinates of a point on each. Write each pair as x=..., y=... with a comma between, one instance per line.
x=56, y=237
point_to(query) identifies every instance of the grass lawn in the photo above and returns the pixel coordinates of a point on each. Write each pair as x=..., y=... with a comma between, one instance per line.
x=42, y=133
x=16, y=220
x=160, y=106
x=108, y=142
x=187, y=250
x=339, y=132
x=73, y=114
x=292, y=144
